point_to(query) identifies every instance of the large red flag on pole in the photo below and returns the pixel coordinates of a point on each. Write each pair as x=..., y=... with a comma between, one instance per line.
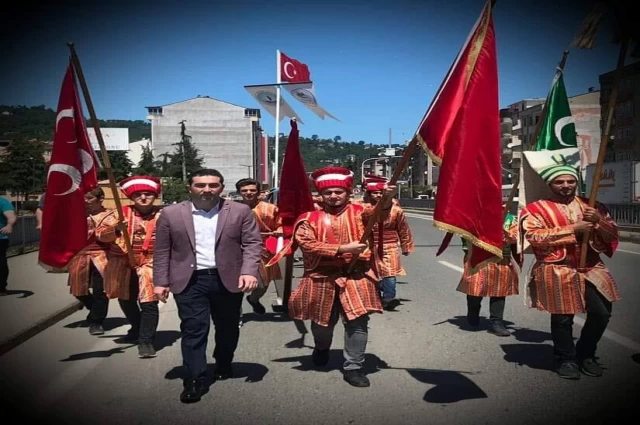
x=72, y=173
x=461, y=133
x=294, y=197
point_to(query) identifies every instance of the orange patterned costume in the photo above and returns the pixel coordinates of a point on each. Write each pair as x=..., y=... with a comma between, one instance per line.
x=117, y=276
x=396, y=239
x=319, y=235
x=96, y=252
x=269, y=221
x=498, y=278
x=557, y=286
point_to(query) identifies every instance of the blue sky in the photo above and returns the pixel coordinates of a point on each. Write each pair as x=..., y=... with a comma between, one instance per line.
x=376, y=65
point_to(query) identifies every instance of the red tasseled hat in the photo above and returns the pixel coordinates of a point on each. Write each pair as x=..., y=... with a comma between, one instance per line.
x=134, y=184
x=332, y=177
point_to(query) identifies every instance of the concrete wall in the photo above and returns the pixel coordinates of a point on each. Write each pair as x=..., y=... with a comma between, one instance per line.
x=218, y=129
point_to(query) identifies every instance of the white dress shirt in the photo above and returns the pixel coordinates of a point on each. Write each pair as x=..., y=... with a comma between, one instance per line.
x=205, y=223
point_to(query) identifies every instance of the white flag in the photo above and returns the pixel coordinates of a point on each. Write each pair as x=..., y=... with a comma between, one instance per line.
x=305, y=94
x=266, y=97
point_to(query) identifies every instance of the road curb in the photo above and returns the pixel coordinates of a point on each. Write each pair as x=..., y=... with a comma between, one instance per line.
x=40, y=326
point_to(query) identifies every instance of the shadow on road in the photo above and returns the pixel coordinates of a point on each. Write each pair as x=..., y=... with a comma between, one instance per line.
x=24, y=293
x=535, y=356
x=102, y=354
x=109, y=323
x=531, y=335
x=461, y=322
x=267, y=317
x=449, y=386
x=252, y=372
x=166, y=339
x=636, y=357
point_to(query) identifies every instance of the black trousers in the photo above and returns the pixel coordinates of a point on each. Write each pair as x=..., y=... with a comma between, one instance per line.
x=206, y=298
x=143, y=319
x=496, y=306
x=4, y=264
x=97, y=302
x=598, y=314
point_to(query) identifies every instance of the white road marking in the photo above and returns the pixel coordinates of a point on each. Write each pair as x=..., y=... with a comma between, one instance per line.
x=624, y=341
x=420, y=216
x=451, y=266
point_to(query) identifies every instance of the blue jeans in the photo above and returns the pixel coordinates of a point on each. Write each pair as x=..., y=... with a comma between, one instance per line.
x=388, y=287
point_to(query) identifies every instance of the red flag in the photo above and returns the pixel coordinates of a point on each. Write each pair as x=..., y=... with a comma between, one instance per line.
x=461, y=133
x=72, y=173
x=293, y=71
x=294, y=197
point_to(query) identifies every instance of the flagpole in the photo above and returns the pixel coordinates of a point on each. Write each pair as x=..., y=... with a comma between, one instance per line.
x=595, y=182
x=103, y=150
x=536, y=133
x=408, y=153
x=275, y=162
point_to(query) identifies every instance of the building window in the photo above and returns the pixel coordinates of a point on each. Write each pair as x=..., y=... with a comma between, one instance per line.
x=248, y=113
x=537, y=119
x=155, y=111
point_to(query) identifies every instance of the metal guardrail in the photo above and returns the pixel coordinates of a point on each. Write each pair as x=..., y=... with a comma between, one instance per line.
x=25, y=237
x=625, y=215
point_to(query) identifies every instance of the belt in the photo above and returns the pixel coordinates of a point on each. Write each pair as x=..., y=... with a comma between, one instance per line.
x=207, y=271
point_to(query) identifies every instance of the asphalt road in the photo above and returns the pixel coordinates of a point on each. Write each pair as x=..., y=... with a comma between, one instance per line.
x=424, y=364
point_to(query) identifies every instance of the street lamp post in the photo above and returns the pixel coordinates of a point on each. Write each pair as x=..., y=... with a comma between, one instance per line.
x=248, y=168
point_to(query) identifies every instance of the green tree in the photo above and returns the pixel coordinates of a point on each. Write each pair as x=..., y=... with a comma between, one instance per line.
x=174, y=190
x=192, y=157
x=121, y=165
x=147, y=165
x=24, y=168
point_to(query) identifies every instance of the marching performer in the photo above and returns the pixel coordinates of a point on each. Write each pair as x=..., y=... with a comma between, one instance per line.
x=133, y=286
x=394, y=238
x=270, y=227
x=330, y=242
x=86, y=268
x=495, y=279
x=555, y=228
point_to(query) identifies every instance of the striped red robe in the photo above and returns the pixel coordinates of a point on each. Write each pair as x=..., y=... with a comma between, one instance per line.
x=494, y=279
x=319, y=235
x=96, y=252
x=269, y=221
x=556, y=285
x=117, y=275
x=396, y=239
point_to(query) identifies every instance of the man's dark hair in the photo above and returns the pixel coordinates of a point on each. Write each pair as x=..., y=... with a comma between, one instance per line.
x=205, y=172
x=246, y=182
x=98, y=193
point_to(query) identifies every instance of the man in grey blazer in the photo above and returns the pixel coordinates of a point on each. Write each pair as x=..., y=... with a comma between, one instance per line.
x=207, y=253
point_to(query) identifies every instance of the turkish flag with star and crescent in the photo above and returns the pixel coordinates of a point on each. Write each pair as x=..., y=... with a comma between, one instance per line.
x=72, y=173
x=293, y=71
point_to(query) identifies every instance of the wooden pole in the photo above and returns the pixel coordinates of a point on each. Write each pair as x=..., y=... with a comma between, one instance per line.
x=377, y=211
x=288, y=279
x=595, y=182
x=534, y=139
x=103, y=150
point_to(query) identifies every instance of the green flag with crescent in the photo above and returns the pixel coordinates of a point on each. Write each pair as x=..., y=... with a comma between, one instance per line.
x=558, y=130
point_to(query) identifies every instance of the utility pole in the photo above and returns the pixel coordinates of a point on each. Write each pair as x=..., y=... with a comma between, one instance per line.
x=183, y=139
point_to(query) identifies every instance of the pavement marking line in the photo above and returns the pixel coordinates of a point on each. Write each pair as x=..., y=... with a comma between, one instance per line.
x=624, y=341
x=628, y=252
x=451, y=266
x=420, y=216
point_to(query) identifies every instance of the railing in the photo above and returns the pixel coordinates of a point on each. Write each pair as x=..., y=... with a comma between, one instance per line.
x=625, y=215
x=25, y=237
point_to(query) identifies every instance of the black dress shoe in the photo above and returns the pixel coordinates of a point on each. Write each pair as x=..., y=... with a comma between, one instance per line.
x=258, y=308
x=223, y=373
x=356, y=378
x=192, y=392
